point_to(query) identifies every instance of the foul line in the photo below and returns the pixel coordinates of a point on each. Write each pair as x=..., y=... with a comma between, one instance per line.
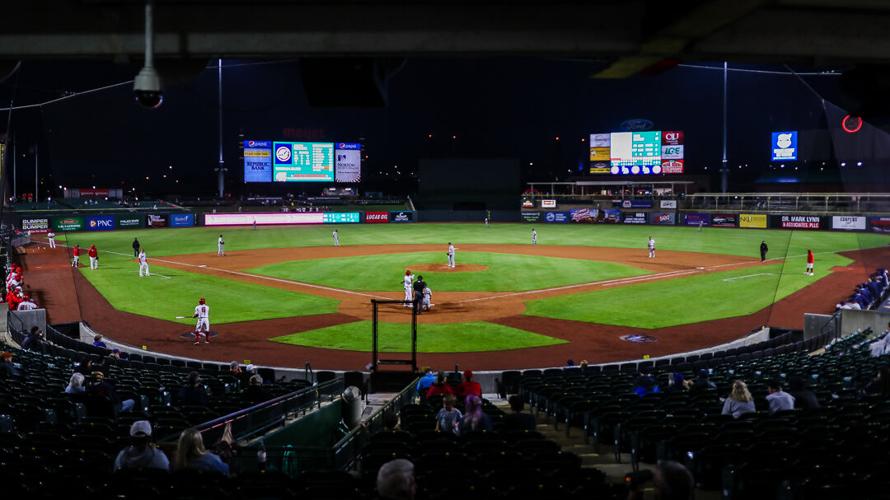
x=748, y=276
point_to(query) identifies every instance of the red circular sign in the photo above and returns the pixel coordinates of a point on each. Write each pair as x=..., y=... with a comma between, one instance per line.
x=851, y=124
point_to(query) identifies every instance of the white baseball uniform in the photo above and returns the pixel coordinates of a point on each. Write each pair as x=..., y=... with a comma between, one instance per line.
x=26, y=306
x=51, y=237
x=219, y=246
x=408, y=281
x=143, y=264
x=336, y=237
x=451, y=263
x=427, y=298
x=534, y=237
x=651, y=248
x=202, y=312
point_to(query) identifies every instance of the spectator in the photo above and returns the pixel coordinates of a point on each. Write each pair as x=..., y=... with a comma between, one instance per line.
x=35, y=340
x=75, y=384
x=141, y=453
x=239, y=373
x=739, y=401
x=97, y=341
x=426, y=381
x=7, y=367
x=583, y=365
x=190, y=454
x=193, y=393
x=679, y=383
x=448, y=419
x=475, y=419
x=441, y=386
x=391, y=422
x=804, y=398
x=672, y=481
x=26, y=304
x=395, y=480
x=85, y=367
x=646, y=384
x=101, y=388
x=570, y=363
x=880, y=386
x=703, y=382
x=881, y=346
x=469, y=387
x=255, y=393
x=518, y=421
x=778, y=399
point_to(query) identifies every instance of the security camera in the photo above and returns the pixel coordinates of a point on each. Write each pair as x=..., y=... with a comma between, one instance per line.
x=147, y=88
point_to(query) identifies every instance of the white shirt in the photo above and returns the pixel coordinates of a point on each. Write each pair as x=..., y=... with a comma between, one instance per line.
x=450, y=249
x=409, y=278
x=50, y=235
x=534, y=234
x=202, y=311
x=651, y=243
x=220, y=242
x=427, y=294
x=142, y=258
x=26, y=306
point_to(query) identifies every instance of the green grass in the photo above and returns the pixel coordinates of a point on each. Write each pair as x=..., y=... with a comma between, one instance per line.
x=505, y=272
x=396, y=337
x=693, y=299
x=170, y=292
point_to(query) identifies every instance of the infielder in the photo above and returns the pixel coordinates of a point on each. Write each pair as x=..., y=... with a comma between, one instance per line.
x=94, y=257
x=336, y=237
x=450, y=254
x=811, y=261
x=220, y=244
x=51, y=238
x=651, y=248
x=407, y=282
x=143, y=264
x=75, y=253
x=202, y=327
x=534, y=237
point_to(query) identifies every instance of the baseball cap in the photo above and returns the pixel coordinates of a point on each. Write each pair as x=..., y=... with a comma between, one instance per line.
x=140, y=428
x=468, y=374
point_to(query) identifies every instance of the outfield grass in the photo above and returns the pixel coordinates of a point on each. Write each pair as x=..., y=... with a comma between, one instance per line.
x=693, y=299
x=504, y=273
x=396, y=337
x=170, y=292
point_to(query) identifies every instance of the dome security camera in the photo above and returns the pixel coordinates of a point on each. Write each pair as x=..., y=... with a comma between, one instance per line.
x=147, y=88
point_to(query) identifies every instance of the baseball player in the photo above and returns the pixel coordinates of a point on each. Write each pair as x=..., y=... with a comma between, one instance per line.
x=407, y=282
x=202, y=327
x=701, y=224
x=534, y=237
x=419, y=285
x=26, y=304
x=136, y=247
x=143, y=263
x=51, y=238
x=220, y=243
x=811, y=261
x=485, y=220
x=336, y=237
x=427, y=298
x=75, y=253
x=450, y=254
x=763, y=249
x=94, y=257
x=651, y=248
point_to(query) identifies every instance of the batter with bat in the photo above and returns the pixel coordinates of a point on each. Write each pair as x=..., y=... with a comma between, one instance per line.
x=202, y=328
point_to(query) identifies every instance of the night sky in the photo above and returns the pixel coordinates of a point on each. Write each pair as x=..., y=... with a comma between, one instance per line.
x=505, y=107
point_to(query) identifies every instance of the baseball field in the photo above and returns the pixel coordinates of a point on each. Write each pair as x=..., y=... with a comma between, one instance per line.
x=287, y=291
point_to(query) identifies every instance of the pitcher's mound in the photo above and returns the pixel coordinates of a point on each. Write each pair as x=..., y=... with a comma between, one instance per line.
x=443, y=268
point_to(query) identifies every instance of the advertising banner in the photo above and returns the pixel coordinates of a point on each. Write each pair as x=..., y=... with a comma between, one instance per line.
x=784, y=146
x=694, y=219
x=376, y=217
x=600, y=167
x=342, y=217
x=635, y=204
x=348, y=164
x=68, y=224
x=796, y=221
x=753, y=221
x=182, y=220
x=663, y=218
x=101, y=223
x=672, y=166
x=257, y=161
x=548, y=203
x=879, y=224
x=672, y=137
x=849, y=222
x=126, y=222
x=672, y=204
x=724, y=220
x=403, y=216
x=157, y=220
x=635, y=218
x=583, y=215
x=557, y=217
x=262, y=219
x=35, y=225
x=672, y=152
x=600, y=154
x=531, y=216
x=601, y=141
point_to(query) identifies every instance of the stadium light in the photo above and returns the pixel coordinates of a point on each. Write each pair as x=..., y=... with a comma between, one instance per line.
x=843, y=164
x=858, y=163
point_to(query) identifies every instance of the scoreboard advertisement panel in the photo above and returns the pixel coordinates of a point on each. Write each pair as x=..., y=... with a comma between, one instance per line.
x=652, y=152
x=283, y=161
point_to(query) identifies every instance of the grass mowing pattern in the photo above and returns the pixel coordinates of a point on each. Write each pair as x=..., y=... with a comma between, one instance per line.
x=176, y=293
x=505, y=273
x=396, y=337
x=686, y=300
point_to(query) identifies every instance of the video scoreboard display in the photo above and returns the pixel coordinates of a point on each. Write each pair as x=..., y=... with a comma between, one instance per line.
x=281, y=161
x=650, y=152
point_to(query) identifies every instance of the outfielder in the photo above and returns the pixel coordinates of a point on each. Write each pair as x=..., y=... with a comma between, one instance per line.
x=811, y=261
x=202, y=327
x=407, y=282
x=534, y=237
x=220, y=244
x=450, y=254
x=75, y=253
x=336, y=237
x=94, y=257
x=143, y=264
x=51, y=238
x=651, y=248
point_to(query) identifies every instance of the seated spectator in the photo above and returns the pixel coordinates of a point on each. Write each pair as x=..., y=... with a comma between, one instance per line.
x=255, y=393
x=739, y=401
x=646, y=384
x=679, y=383
x=85, y=367
x=395, y=480
x=97, y=341
x=115, y=353
x=26, y=304
x=880, y=385
x=475, y=419
x=583, y=365
x=469, y=387
x=190, y=454
x=35, y=340
x=75, y=384
x=141, y=453
x=391, y=422
x=193, y=393
x=672, y=481
x=448, y=419
x=99, y=387
x=7, y=367
x=426, y=381
x=778, y=399
x=702, y=382
x=439, y=387
x=804, y=398
x=570, y=363
x=518, y=421
x=240, y=374
x=881, y=346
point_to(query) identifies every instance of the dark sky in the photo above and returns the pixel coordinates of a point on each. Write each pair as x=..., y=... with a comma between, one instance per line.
x=506, y=107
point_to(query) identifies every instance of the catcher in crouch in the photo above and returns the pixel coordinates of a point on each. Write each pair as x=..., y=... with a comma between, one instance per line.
x=202, y=328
